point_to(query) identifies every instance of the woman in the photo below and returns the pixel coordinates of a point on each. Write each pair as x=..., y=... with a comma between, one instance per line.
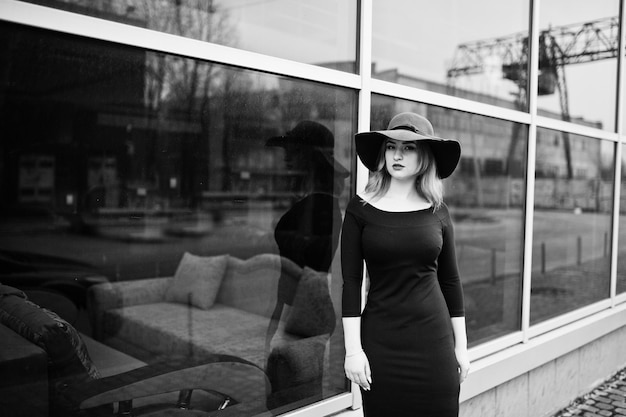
x=307, y=236
x=407, y=350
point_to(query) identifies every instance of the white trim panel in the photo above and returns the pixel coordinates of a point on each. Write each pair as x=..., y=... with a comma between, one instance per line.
x=568, y=317
x=496, y=345
x=323, y=408
x=515, y=361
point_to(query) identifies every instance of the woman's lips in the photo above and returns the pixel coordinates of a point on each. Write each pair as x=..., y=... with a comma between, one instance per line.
x=397, y=166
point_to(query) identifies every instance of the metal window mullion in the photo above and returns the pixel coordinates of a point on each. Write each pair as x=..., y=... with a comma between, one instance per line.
x=618, y=156
x=530, y=171
x=365, y=71
x=576, y=129
x=363, y=124
x=445, y=100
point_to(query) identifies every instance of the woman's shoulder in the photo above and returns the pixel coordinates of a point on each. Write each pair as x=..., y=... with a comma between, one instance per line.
x=357, y=206
x=355, y=203
x=443, y=213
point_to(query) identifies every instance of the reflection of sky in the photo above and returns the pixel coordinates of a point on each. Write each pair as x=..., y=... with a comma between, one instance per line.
x=434, y=29
x=419, y=38
x=317, y=31
x=445, y=24
x=592, y=86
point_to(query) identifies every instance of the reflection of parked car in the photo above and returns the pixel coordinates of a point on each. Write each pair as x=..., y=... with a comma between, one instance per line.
x=33, y=271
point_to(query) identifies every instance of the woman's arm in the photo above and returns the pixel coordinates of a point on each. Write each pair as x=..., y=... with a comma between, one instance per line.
x=356, y=365
x=460, y=346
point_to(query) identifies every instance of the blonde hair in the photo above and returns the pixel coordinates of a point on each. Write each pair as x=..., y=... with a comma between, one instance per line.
x=427, y=184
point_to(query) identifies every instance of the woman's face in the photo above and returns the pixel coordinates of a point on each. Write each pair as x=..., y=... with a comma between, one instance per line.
x=296, y=156
x=402, y=159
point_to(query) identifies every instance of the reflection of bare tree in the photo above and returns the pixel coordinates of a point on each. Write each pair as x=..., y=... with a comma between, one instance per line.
x=177, y=91
x=179, y=88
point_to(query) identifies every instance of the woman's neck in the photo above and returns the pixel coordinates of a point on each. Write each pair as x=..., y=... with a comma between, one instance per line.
x=401, y=196
x=403, y=190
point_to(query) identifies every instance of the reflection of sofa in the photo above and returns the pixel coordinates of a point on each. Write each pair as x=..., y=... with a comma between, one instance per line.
x=49, y=369
x=24, y=382
x=222, y=305
x=40, y=353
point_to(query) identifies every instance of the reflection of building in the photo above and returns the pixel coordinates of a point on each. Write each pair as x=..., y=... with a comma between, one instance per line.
x=492, y=168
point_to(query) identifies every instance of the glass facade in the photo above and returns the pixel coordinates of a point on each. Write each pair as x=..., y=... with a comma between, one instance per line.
x=572, y=223
x=454, y=47
x=179, y=213
x=320, y=32
x=157, y=172
x=575, y=48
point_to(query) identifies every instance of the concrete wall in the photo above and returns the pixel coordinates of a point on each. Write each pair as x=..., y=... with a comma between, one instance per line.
x=552, y=386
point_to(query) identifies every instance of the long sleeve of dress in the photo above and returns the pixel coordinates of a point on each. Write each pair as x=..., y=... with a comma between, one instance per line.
x=351, y=264
x=448, y=271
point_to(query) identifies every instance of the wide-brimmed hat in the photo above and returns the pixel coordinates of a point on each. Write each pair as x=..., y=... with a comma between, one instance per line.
x=316, y=136
x=409, y=127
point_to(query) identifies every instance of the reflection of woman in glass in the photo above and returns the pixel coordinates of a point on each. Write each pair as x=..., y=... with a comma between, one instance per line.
x=304, y=234
x=308, y=233
x=408, y=348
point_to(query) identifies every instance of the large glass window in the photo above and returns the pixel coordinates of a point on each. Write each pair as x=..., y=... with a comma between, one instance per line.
x=578, y=61
x=196, y=207
x=320, y=32
x=486, y=199
x=572, y=223
x=455, y=47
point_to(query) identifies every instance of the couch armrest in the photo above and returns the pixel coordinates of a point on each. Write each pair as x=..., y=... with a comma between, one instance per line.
x=110, y=295
x=296, y=362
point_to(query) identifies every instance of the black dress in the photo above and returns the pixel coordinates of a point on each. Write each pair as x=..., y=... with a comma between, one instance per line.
x=406, y=329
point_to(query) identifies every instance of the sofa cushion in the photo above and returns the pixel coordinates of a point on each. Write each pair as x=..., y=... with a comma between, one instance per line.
x=173, y=329
x=251, y=284
x=197, y=280
x=312, y=313
x=67, y=354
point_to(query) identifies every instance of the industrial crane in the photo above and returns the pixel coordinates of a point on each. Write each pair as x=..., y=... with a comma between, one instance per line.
x=559, y=46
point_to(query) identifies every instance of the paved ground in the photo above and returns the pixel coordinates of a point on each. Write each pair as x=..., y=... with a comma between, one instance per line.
x=608, y=400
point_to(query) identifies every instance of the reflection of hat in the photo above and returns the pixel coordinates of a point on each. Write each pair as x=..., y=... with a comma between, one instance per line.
x=409, y=127
x=314, y=135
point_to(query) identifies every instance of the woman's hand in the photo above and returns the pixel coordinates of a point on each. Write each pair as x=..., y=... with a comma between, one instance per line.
x=357, y=368
x=462, y=359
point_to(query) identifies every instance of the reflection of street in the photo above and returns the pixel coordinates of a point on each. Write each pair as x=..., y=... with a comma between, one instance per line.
x=118, y=256
x=489, y=242
x=489, y=245
x=566, y=238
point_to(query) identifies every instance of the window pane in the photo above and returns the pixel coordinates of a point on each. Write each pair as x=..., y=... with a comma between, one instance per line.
x=621, y=256
x=578, y=46
x=319, y=32
x=206, y=201
x=454, y=47
x=486, y=199
x=572, y=223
